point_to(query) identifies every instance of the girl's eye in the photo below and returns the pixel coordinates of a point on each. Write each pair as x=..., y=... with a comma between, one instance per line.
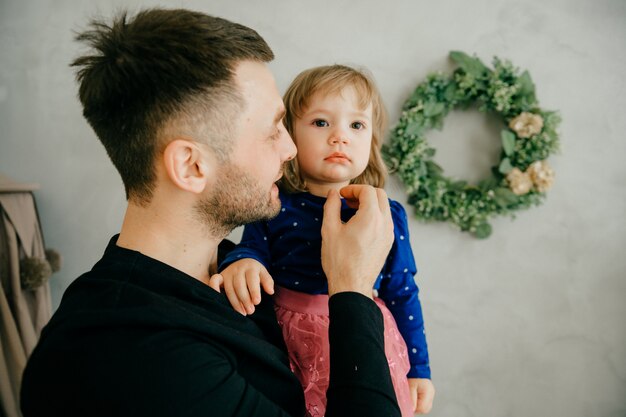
x=357, y=125
x=320, y=123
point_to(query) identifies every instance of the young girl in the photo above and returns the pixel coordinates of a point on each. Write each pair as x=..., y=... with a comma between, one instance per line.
x=336, y=118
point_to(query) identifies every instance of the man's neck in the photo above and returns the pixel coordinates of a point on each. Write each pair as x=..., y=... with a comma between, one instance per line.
x=171, y=239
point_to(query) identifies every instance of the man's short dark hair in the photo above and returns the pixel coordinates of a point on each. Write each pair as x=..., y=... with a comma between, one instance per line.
x=160, y=67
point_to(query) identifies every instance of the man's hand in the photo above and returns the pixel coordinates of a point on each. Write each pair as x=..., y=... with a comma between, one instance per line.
x=353, y=253
x=423, y=394
x=242, y=282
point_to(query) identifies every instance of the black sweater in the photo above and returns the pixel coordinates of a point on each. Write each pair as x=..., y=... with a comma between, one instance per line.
x=136, y=337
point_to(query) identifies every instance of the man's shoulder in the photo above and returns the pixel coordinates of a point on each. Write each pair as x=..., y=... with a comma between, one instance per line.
x=120, y=370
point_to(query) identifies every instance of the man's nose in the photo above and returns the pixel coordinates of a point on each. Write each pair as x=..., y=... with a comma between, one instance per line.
x=288, y=147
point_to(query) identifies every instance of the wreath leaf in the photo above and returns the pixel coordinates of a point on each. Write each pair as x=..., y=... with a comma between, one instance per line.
x=504, y=197
x=508, y=142
x=432, y=108
x=505, y=166
x=470, y=65
x=414, y=129
x=488, y=184
x=527, y=87
x=433, y=168
x=483, y=231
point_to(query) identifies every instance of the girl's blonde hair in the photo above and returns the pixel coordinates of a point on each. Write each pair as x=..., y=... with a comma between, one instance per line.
x=332, y=79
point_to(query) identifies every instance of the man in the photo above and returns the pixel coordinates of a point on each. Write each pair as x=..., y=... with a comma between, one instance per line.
x=190, y=116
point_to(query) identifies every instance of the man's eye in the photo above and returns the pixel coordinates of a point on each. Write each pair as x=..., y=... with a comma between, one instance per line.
x=357, y=125
x=320, y=123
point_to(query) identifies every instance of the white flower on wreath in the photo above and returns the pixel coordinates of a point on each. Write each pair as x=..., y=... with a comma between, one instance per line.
x=541, y=175
x=526, y=124
x=519, y=182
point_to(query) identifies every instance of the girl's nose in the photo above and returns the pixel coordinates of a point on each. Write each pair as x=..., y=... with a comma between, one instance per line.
x=339, y=136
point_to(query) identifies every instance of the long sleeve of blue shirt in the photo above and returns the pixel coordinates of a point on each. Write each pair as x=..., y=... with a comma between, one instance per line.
x=254, y=244
x=401, y=294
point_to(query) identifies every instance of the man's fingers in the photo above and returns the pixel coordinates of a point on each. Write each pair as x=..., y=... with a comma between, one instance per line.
x=385, y=211
x=359, y=196
x=267, y=282
x=332, y=210
x=383, y=201
x=372, y=203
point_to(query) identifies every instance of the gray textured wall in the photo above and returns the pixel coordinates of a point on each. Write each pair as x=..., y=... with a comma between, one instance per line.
x=527, y=323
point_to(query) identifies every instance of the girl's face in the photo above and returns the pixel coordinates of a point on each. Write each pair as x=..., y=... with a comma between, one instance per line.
x=333, y=137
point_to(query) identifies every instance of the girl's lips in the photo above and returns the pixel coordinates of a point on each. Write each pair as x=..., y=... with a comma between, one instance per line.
x=337, y=160
x=337, y=157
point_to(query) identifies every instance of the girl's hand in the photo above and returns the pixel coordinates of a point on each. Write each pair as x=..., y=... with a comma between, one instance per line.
x=242, y=282
x=423, y=394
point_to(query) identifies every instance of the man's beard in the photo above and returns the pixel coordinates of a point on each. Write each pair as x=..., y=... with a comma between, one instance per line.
x=236, y=199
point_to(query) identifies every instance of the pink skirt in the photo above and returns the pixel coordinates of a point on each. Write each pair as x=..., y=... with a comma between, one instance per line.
x=304, y=322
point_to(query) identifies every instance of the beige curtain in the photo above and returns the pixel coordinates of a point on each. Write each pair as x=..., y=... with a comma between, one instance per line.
x=23, y=313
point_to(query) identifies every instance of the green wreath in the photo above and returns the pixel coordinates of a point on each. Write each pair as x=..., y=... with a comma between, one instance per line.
x=521, y=178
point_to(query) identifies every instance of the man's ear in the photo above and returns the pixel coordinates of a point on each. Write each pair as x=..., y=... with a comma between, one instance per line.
x=187, y=165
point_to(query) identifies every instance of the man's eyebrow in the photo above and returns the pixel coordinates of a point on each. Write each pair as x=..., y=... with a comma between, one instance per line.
x=279, y=115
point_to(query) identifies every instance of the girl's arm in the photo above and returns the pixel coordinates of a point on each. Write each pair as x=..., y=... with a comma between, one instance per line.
x=243, y=271
x=254, y=244
x=401, y=294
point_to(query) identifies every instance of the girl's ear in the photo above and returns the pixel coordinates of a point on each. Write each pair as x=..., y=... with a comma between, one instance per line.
x=186, y=165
